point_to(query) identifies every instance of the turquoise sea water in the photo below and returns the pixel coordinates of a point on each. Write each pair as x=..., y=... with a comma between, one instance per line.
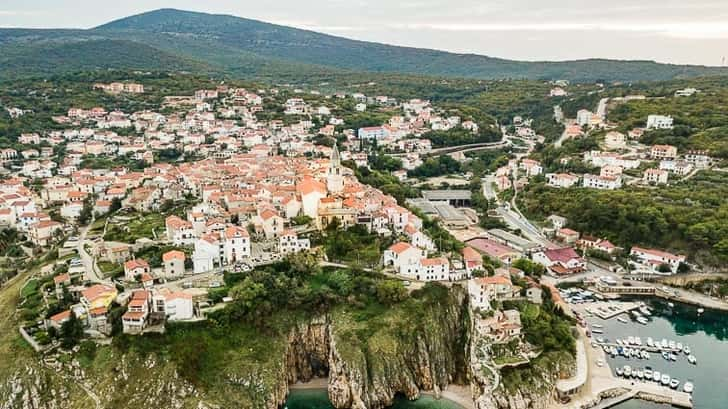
x=707, y=336
x=318, y=399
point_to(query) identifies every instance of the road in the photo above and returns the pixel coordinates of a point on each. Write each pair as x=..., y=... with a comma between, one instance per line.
x=602, y=108
x=89, y=263
x=504, y=142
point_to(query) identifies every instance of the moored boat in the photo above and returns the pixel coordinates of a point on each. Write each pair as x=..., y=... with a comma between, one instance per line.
x=692, y=359
x=665, y=379
x=674, y=383
x=656, y=376
x=688, y=387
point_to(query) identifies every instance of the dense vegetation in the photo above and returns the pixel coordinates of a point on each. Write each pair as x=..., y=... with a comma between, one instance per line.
x=688, y=217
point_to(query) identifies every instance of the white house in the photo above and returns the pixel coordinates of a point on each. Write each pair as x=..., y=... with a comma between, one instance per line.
x=656, y=176
x=236, y=244
x=653, y=258
x=659, y=122
x=288, y=242
x=404, y=258
x=602, y=182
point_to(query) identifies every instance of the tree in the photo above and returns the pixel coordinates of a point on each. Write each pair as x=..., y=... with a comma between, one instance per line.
x=71, y=332
x=391, y=292
x=115, y=205
x=664, y=268
x=86, y=212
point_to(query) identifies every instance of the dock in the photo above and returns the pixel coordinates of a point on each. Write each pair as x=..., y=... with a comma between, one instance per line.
x=608, y=310
x=601, y=382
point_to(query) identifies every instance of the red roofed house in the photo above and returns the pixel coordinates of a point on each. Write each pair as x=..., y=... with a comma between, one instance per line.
x=135, y=318
x=136, y=267
x=404, y=258
x=174, y=263
x=59, y=319
x=485, y=289
x=567, y=235
x=472, y=259
x=237, y=244
x=561, y=261
x=652, y=258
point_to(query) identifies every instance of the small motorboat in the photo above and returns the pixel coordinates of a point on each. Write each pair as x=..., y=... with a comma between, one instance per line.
x=630, y=340
x=642, y=320
x=619, y=341
x=670, y=304
x=638, y=341
x=620, y=372
x=686, y=349
x=665, y=379
x=701, y=310
x=679, y=346
x=640, y=374
x=648, y=373
x=656, y=376
x=645, y=311
x=672, y=345
x=674, y=383
x=597, y=331
x=597, y=326
x=673, y=357
x=688, y=387
x=622, y=320
x=692, y=359
x=650, y=343
x=627, y=371
x=666, y=356
x=645, y=355
x=664, y=343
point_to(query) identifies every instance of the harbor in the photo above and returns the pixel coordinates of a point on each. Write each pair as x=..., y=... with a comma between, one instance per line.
x=627, y=358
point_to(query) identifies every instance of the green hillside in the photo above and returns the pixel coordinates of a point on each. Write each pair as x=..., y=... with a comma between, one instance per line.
x=238, y=46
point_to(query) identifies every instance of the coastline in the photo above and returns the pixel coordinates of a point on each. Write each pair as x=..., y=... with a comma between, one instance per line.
x=457, y=394
x=315, y=383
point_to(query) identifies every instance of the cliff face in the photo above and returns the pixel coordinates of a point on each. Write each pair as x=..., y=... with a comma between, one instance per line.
x=426, y=351
x=370, y=360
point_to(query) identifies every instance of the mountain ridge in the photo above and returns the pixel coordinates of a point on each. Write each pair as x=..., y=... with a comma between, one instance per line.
x=226, y=43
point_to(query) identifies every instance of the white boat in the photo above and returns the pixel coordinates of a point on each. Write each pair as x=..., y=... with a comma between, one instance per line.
x=686, y=349
x=664, y=343
x=670, y=304
x=648, y=374
x=627, y=371
x=637, y=341
x=630, y=340
x=645, y=355
x=701, y=310
x=642, y=320
x=673, y=357
x=597, y=331
x=692, y=360
x=688, y=387
x=674, y=383
x=656, y=376
x=679, y=346
x=622, y=320
x=650, y=343
x=666, y=356
x=671, y=344
x=640, y=374
x=645, y=311
x=619, y=341
x=665, y=379
x=597, y=326
x=620, y=372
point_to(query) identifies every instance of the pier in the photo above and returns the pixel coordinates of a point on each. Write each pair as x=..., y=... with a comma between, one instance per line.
x=608, y=310
x=602, y=383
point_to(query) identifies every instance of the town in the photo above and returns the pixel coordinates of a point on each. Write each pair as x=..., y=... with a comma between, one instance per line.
x=133, y=222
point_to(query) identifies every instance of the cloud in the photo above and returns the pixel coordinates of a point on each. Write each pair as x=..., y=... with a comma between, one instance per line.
x=686, y=30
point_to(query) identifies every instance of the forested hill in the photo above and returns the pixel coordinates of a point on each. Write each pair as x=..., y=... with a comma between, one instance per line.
x=242, y=46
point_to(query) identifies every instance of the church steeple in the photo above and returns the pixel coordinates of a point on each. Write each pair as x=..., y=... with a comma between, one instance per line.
x=335, y=179
x=335, y=157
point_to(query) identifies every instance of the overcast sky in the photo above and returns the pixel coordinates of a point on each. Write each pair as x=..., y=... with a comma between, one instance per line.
x=677, y=31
